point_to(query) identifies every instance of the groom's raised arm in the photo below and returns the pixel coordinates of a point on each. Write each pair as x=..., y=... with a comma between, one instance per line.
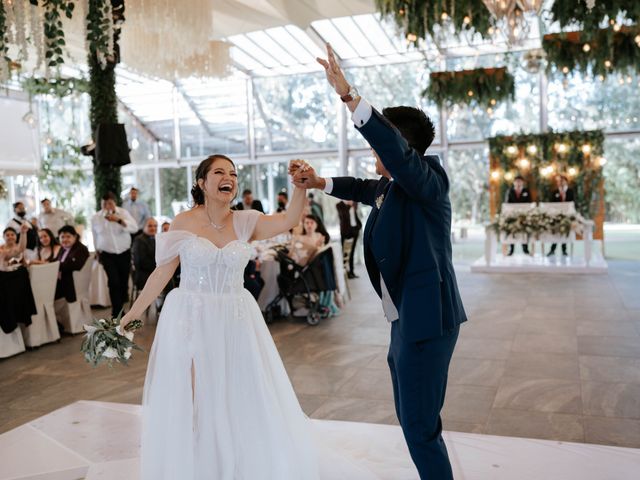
x=349, y=188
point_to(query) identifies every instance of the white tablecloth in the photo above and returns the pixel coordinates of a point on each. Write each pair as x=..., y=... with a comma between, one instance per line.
x=99, y=289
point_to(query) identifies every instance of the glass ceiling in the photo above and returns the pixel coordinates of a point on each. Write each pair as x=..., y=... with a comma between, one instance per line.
x=218, y=107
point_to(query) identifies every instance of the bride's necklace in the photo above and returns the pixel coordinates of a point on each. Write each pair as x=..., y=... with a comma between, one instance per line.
x=212, y=223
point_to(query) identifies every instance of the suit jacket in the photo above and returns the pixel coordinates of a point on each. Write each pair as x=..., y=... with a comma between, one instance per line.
x=407, y=237
x=255, y=205
x=144, y=259
x=556, y=197
x=346, y=229
x=75, y=260
x=525, y=196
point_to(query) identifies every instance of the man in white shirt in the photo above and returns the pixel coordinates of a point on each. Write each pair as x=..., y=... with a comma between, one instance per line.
x=19, y=218
x=53, y=218
x=138, y=209
x=112, y=228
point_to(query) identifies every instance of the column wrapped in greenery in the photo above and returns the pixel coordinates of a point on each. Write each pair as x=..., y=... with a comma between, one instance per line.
x=102, y=90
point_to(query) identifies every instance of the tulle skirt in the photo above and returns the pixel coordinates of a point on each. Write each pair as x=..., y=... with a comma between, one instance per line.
x=239, y=419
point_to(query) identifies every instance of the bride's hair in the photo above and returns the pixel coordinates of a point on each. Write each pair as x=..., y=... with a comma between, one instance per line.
x=201, y=173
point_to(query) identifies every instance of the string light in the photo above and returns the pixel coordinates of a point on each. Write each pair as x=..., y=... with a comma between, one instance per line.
x=508, y=176
x=565, y=70
x=586, y=47
x=412, y=37
x=561, y=148
x=586, y=149
x=602, y=161
x=607, y=63
x=444, y=16
x=512, y=149
x=492, y=101
x=524, y=163
x=470, y=93
x=572, y=171
x=467, y=20
x=495, y=175
x=617, y=27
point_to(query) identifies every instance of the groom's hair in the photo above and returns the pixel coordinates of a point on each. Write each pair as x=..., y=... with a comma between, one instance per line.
x=413, y=124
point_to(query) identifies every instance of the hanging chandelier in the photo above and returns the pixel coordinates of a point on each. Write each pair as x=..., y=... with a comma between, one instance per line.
x=500, y=8
x=531, y=6
x=515, y=27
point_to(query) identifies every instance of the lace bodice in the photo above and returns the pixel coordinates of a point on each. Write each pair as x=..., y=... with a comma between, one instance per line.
x=206, y=268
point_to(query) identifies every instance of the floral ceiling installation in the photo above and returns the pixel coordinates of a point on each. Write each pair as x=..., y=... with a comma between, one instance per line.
x=170, y=39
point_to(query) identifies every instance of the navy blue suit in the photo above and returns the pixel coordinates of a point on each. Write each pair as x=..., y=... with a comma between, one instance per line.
x=407, y=240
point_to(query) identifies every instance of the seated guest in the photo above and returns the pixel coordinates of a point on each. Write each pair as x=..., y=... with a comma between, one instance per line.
x=518, y=193
x=305, y=245
x=72, y=257
x=165, y=227
x=48, y=248
x=283, y=200
x=16, y=296
x=561, y=194
x=248, y=203
x=144, y=253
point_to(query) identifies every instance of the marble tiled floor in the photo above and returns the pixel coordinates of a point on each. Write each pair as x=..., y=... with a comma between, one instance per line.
x=99, y=440
x=548, y=357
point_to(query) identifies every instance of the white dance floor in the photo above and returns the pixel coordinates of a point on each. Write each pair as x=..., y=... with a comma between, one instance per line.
x=96, y=440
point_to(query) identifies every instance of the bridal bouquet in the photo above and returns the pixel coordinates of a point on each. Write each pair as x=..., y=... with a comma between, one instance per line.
x=106, y=342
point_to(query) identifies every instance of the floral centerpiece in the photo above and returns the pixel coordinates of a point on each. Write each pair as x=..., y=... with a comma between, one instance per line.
x=535, y=222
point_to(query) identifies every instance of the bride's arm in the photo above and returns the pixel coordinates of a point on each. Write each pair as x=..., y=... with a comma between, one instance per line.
x=154, y=286
x=269, y=226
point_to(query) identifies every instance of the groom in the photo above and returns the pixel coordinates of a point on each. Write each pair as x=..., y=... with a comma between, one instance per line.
x=408, y=257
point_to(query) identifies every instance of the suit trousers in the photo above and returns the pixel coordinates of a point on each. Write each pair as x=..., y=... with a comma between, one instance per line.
x=419, y=373
x=117, y=267
x=353, y=249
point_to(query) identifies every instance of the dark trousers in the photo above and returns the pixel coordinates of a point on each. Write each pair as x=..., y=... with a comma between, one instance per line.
x=117, y=268
x=555, y=245
x=525, y=248
x=419, y=374
x=353, y=250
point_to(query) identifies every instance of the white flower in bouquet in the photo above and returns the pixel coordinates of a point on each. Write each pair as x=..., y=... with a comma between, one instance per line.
x=110, y=352
x=106, y=342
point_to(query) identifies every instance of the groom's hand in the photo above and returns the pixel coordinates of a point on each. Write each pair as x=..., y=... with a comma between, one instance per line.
x=334, y=73
x=308, y=178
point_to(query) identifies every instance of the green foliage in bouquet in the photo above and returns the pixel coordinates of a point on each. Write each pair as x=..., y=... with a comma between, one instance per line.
x=534, y=223
x=58, y=86
x=484, y=87
x=600, y=52
x=540, y=152
x=105, y=343
x=419, y=18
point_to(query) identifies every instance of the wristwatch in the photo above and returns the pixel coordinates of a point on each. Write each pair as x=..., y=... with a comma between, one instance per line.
x=352, y=94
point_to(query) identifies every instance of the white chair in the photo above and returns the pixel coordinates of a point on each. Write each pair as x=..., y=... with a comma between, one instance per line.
x=73, y=316
x=11, y=343
x=44, y=327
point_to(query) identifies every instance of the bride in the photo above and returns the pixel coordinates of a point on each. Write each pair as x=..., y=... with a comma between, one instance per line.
x=217, y=401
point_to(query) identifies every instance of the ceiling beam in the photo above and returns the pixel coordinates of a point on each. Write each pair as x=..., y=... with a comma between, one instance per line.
x=140, y=123
x=189, y=101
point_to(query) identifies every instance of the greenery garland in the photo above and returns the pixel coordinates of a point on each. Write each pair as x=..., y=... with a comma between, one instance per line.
x=600, y=53
x=534, y=223
x=530, y=154
x=4, y=40
x=4, y=192
x=104, y=103
x=58, y=87
x=484, y=87
x=53, y=31
x=572, y=12
x=417, y=18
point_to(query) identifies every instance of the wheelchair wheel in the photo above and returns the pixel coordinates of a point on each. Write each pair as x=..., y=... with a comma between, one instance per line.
x=313, y=318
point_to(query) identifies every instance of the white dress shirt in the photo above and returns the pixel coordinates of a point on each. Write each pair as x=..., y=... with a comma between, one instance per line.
x=138, y=210
x=55, y=220
x=360, y=116
x=112, y=237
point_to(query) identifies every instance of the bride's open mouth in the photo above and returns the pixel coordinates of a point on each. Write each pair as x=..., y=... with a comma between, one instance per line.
x=225, y=188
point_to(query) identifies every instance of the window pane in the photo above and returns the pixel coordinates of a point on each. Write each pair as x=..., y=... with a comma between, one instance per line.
x=173, y=189
x=622, y=179
x=469, y=191
x=296, y=112
x=144, y=180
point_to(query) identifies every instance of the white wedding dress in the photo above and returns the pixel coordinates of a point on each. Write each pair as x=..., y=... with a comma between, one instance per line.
x=241, y=420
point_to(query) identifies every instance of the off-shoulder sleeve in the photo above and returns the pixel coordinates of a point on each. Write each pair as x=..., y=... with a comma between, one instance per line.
x=244, y=222
x=168, y=245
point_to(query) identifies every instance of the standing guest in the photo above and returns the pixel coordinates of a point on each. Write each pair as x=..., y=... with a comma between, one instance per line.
x=166, y=226
x=248, y=203
x=518, y=193
x=562, y=194
x=350, y=226
x=16, y=296
x=144, y=253
x=283, y=200
x=19, y=214
x=137, y=208
x=316, y=208
x=48, y=247
x=72, y=257
x=53, y=218
x=112, y=229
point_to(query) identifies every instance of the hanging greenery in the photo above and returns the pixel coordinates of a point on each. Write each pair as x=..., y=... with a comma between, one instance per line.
x=600, y=53
x=574, y=12
x=53, y=32
x=4, y=43
x=539, y=158
x=4, y=193
x=484, y=87
x=58, y=87
x=102, y=90
x=419, y=18
x=61, y=172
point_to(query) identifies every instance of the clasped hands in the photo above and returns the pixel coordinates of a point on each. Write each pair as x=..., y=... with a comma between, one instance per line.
x=304, y=175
